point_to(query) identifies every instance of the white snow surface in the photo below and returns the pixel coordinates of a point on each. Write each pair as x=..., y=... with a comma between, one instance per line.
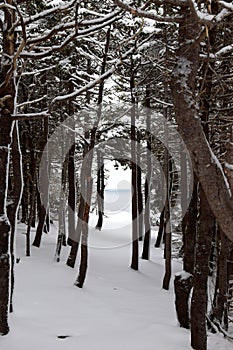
x=118, y=308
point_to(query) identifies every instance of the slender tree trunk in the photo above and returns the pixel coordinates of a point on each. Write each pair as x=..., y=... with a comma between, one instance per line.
x=100, y=190
x=139, y=189
x=32, y=207
x=161, y=229
x=76, y=238
x=135, y=254
x=43, y=189
x=14, y=197
x=7, y=109
x=84, y=240
x=134, y=261
x=61, y=215
x=147, y=236
x=167, y=247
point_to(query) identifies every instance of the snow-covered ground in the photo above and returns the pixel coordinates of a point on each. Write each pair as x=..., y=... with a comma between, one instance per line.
x=118, y=308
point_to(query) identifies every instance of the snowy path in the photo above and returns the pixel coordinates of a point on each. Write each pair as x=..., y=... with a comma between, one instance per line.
x=118, y=308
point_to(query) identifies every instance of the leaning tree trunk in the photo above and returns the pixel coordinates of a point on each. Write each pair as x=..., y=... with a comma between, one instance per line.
x=208, y=170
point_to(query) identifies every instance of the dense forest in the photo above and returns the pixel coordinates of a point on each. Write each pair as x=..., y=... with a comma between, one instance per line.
x=147, y=85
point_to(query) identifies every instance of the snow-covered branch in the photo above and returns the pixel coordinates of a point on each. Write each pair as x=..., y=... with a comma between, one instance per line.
x=206, y=17
x=227, y=5
x=44, y=51
x=49, y=12
x=26, y=103
x=40, y=115
x=147, y=14
x=96, y=81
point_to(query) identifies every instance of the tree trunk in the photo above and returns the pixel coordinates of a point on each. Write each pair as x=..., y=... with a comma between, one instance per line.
x=100, y=190
x=201, y=270
x=208, y=170
x=167, y=230
x=147, y=236
x=183, y=284
x=134, y=261
x=161, y=229
x=139, y=189
x=7, y=109
x=219, y=305
x=189, y=235
x=43, y=189
x=14, y=197
x=84, y=240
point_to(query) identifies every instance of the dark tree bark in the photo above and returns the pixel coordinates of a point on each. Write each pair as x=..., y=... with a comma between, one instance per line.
x=167, y=226
x=84, y=239
x=139, y=189
x=31, y=217
x=147, y=236
x=189, y=235
x=75, y=240
x=100, y=190
x=134, y=261
x=61, y=237
x=43, y=189
x=7, y=107
x=71, y=175
x=161, y=230
x=201, y=271
x=220, y=299
x=183, y=284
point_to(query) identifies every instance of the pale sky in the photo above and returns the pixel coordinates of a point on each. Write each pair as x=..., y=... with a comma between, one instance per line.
x=118, y=179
